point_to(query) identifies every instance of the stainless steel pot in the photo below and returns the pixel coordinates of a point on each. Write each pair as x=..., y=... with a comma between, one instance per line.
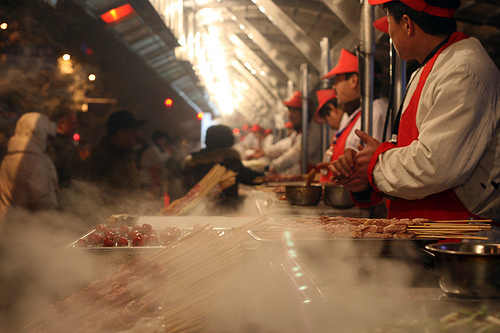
x=468, y=269
x=338, y=197
x=303, y=195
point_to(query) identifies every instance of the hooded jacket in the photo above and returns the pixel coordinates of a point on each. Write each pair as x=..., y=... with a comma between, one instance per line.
x=28, y=176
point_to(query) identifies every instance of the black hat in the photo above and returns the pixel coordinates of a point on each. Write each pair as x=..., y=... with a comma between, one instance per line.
x=122, y=119
x=219, y=136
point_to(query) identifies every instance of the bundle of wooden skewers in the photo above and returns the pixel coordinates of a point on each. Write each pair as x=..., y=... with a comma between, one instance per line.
x=458, y=229
x=177, y=289
x=216, y=180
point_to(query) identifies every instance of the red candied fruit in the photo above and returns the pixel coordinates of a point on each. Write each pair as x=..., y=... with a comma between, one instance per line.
x=166, y=236
x=123, y=230
x=152, y=241
x=100, y=227
x=122, y=241
x=133, y=234
x=109, y=241
x=81, y=243
x=138, y=241
x=137, y=227
x=109, y=233
x=94, y=239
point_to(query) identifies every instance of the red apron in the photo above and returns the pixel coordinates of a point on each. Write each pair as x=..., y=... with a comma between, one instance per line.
x=338, y=145
x=440, y=206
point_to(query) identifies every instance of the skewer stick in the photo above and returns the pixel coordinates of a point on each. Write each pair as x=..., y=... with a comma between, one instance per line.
x=454, y=237
x=463, y=221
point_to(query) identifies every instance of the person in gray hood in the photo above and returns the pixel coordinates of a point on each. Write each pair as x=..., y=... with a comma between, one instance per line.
x=28, y=178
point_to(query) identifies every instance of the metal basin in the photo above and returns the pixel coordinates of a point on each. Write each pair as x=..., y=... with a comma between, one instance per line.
x=338, y=197
x=303, y=195
x=468, y=269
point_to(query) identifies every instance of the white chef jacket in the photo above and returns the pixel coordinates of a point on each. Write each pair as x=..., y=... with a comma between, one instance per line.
x=285, y=154
x=459, y=135
x=379, y=111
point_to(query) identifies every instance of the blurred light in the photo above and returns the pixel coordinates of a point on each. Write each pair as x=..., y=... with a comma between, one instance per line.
x=66, y=57
x=253, y=71
x=236, y=131
x=117, y=13
x=76, y=137
x=169, y=102
x=92, y=77
x=184, y=143
x=3, y=26
x=242, y=27
x=200, y=115
x=262, y=9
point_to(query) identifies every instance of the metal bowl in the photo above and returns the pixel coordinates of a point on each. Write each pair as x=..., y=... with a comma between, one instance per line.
x=303, y=195
x=338, y=197
x=468, y=269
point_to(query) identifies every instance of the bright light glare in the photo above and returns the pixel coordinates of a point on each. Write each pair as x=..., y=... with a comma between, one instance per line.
x=66, y=57
x=209, y=15
x=262, y=9
x=92, y=77
x=212, y=65
x=4, y=26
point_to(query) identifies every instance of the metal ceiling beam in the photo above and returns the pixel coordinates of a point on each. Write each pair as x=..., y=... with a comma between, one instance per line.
x=349, y=12
x=286, y=67
x=249, y=56
x=253, y=83
x=308, y=47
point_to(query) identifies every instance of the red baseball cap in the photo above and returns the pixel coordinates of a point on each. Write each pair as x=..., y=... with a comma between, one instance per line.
x=323, y=96
x=421, y=6
x=295, y=101
x=256, y=128
x=382, y=24
x=348, y=63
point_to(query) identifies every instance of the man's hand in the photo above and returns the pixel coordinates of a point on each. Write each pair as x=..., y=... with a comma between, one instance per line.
x=351, y=169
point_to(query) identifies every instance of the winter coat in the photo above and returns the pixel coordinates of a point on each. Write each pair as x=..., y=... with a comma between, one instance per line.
x=28, y=177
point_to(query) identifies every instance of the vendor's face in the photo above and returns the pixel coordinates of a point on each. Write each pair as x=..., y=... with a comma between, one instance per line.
x=346, y=88
x=295, y=117
x=334, y=116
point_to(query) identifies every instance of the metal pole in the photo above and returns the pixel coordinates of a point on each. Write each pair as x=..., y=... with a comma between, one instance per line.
x=325, y=68
x=367, y=50
x=304, y=69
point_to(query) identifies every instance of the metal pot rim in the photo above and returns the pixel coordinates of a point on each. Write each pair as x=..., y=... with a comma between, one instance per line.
x=437, y=248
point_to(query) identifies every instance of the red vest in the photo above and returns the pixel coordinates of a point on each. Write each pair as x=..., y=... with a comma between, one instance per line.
x=440, y=206
x=338, y=145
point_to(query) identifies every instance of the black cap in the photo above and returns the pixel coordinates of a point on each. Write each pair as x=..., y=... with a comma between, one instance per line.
x=122, y=119
x=219, y=136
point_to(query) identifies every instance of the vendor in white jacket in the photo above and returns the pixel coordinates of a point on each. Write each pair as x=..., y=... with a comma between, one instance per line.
x=28, y=177
x=444, y=161
x=285, y=155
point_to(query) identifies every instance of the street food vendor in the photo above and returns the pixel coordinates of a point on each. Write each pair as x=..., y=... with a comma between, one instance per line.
x=443, y=161
x=340, y=107
x=285, y=154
